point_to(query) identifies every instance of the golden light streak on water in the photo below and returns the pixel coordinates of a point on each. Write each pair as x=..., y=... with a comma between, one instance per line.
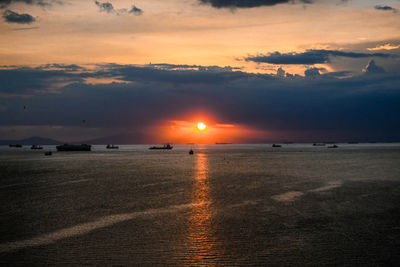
x=200, y=241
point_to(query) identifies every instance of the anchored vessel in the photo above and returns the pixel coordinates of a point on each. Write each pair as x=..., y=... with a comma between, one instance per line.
x=319, y=144
x=67, y=147
x=36, y=147
x=166, y=146
x=15, y=145
x=112, y=147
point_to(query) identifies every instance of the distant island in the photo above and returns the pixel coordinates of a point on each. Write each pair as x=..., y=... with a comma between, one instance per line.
x=35, y=140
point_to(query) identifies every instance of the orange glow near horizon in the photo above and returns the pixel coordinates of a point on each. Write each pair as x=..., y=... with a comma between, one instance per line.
x=204, y=131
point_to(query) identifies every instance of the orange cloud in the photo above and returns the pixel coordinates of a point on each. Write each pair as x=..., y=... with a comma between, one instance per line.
x=384, y=47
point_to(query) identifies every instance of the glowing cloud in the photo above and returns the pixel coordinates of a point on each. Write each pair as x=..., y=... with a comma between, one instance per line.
x=384, y=47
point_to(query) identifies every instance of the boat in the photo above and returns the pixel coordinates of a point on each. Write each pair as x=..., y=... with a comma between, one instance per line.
x=191, y=152
x=334, y=146
x=67, y=147
x=36, y=147
x=48, y=153
x=15, y=145
x=318, y=144
x=112, y=147
x=166, y=146
x=275, y=145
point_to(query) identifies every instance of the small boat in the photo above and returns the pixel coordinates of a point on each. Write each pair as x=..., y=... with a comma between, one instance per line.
x=166, y=146
x=15, y=145
x=191, y=152
x=112, y=147
x=36, y=147
x=48, y=153
x=334, y=146
x=67, y=147
x=275, y=145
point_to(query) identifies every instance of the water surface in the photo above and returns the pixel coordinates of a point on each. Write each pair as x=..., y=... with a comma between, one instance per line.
x=224, y=205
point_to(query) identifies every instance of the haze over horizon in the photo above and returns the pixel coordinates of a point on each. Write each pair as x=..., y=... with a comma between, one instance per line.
x=148, y=71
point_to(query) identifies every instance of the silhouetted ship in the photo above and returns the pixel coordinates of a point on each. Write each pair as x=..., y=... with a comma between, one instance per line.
x=275, y=145
x=112, y=147
x=319, y=144
x=36, y=147
x=67, y=147
x=48, y=153
x=15, y=145
x=166, y=146
x=334, y=146
x=191, y=152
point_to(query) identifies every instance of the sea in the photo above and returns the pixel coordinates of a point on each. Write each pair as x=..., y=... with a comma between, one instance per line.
x=225, y=205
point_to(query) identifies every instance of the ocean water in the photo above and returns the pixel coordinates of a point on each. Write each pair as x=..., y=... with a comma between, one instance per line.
x=230, y=205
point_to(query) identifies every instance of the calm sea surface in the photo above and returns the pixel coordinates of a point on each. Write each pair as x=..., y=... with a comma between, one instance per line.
x=225, y=205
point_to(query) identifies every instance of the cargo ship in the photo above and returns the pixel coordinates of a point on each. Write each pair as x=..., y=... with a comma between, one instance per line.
x=166, y=146
x=67, y=147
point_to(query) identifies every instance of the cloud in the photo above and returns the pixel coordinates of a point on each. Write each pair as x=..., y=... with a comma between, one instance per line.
x=333, y=106
x=243, y=3
x=109, y=8
x=312, y=72
x=14, y=17
x=385, y=8
x=28, y=81
x=373, y=68
x=6, y=3
x=56, y=66
x=387, y=46
x=310, y=57
x=25, y=29
x=248, y=3
x=136, y=11
x=105, y=7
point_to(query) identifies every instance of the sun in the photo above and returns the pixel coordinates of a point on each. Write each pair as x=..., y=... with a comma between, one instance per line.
x=201, y=126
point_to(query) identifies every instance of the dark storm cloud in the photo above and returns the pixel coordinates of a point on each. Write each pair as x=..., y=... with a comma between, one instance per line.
x=14, y=17
x=365, y=105
x=173, y=74
x=242, y=3
x=28, y=81
x=309, y=57
x=385, y=8
x=249, y=3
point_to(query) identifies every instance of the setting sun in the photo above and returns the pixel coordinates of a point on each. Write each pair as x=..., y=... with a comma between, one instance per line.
x=201, y=126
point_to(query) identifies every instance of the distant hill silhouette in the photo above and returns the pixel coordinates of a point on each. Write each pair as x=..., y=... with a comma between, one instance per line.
x=35, y=140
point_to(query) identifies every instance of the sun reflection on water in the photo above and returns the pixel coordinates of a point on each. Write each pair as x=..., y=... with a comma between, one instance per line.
x=201, y=243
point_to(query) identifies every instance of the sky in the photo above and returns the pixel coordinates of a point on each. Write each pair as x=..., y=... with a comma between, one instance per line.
x=146, y=71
